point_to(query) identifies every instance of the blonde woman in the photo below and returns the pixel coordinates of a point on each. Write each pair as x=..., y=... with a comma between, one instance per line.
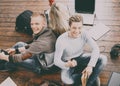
x=59, y=15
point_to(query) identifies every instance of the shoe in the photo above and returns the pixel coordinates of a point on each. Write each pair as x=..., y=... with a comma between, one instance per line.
x=7, y=66
x=2, y=65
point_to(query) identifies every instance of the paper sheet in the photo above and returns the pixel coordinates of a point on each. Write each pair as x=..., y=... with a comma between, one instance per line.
x=8, y=82
x=98, y=30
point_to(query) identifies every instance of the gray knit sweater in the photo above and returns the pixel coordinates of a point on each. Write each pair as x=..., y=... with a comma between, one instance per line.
x=67, y=48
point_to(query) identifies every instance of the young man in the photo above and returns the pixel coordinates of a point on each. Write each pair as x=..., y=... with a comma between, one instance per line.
x=70, y=58
x=39, y=53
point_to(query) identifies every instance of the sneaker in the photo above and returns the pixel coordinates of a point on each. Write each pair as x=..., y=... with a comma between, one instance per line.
x=2, y=65
x=7, y=66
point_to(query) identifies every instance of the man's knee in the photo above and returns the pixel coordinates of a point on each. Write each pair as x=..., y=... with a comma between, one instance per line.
x=66, y=78
x=19, y=44
x=103, y=59
x=67, y=81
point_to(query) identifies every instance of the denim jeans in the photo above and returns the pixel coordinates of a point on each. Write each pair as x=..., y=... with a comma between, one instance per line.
x=73, y=75
x=31, y=64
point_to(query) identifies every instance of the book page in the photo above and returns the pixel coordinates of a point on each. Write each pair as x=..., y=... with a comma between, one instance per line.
x=8, y=82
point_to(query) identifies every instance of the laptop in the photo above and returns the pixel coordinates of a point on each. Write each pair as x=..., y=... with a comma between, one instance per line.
x=87, y=9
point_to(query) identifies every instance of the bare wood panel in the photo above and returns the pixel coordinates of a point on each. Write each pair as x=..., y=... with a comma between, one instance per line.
x=106, y=76
x=7, y=29
x=18, y=3
x=9, y=24
x=19, y=0
x=11, y=39
x=7, y=20
x=108, y=1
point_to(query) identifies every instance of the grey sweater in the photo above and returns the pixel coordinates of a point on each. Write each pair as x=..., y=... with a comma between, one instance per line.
x=67, y=48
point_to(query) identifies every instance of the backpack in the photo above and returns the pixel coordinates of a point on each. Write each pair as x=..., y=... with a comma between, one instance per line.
x=115, y=51
x=22, y=23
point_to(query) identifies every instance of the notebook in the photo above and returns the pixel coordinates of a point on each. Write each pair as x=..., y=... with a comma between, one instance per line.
x=88, y=19
x=98, y=30
x=114, y=79
x=8, y=82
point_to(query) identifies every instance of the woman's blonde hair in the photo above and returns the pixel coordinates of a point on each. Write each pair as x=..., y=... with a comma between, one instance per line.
x=59, y=16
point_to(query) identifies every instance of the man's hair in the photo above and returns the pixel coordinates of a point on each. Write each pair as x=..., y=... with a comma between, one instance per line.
x=75, y=18
x=36, y=14
x=41, y=15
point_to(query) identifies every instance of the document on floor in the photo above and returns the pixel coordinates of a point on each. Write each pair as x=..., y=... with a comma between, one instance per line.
x=98, y=30
x=114, y=79
x=8, y=82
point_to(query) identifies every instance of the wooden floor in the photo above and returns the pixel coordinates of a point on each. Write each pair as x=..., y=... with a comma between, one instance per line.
x=108, y=13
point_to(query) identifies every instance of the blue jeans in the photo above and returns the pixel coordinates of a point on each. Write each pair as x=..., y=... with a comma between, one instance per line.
x=31, y=64
x=73, y=75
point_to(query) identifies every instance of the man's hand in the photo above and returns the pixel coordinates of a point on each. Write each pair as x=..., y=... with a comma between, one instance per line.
x=70, y=63
x=88, y=70
x=11, y=51
x=21, y=49
x=4, y=57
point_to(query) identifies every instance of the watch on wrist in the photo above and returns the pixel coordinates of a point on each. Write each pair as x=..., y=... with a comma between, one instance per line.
x=17, y=50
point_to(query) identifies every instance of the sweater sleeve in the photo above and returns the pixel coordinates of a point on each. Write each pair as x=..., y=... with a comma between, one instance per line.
x=95, y=50
x=58, y=54
x=44, y=44
x=19, y=57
